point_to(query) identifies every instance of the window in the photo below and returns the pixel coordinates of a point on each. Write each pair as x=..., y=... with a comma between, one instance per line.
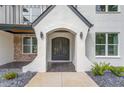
x=107, y=8
x=100, y=8
x=30, y=14
x=29, y=45
x=106, y=44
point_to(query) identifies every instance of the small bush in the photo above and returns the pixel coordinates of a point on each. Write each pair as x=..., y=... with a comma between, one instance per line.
x=10, y=75
x=118, y=71
x=99, y=69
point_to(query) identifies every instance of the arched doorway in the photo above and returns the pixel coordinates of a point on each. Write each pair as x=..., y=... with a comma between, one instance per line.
x=60, y=51
x=60, y=48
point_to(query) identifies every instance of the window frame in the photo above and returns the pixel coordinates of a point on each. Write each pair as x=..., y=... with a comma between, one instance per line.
x=31, y=51
x=106, y=10
x=106, y=45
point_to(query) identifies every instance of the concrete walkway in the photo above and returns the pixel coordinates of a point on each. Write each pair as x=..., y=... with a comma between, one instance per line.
x=61, y=79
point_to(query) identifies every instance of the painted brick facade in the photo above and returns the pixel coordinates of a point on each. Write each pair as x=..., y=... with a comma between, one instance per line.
x=18, y=53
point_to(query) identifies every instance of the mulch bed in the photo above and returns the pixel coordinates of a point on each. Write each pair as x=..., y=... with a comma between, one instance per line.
x=108, y=80
x=20, y=81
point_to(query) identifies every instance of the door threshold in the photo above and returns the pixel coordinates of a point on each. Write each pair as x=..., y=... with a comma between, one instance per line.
x=59, y=61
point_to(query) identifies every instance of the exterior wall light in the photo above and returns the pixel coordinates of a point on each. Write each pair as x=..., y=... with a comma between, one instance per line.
x=41, y=34
x=81, y=35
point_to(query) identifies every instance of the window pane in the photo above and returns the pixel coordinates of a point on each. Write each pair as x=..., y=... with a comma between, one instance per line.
x=112, y=8
x=34, y=18
x=112, y=50
x=26, y=40
x=26, y=49
x=26, y=11
x=34, y=45
x=100, y=50
x=34, y=41
x=26, y=19
x=100, y=38
x=34, y=49
x=100, y=8
x=36, y=11
x=113, y=38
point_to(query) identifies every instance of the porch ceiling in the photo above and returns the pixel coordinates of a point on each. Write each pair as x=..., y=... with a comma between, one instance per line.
x=17, y=28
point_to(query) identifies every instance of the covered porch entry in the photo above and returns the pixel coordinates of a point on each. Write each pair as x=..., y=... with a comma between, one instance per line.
x=61, y=34
x=60, y=51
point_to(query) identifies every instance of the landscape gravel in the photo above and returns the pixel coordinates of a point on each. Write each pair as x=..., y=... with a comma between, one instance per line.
x=107, y=80
x=20, y=81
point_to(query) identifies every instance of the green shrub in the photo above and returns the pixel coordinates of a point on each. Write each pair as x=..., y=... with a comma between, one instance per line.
x=99, y=69
x=118, y=71
x=10, y=75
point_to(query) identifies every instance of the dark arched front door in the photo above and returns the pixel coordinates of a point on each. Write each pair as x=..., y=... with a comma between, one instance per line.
x=60, y=48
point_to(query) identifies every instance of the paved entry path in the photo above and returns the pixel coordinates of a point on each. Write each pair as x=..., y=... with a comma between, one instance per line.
x=61, y=79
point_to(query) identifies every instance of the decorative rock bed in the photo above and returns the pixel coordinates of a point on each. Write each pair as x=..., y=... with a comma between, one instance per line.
x=21, y=80
x=108, y=80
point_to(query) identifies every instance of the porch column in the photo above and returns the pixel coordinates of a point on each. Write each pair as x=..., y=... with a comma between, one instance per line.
x=79, y=53
x=42, y=53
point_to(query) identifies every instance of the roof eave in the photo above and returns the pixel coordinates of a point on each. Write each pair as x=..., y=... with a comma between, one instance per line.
x=12, y=27
x=80, y=16
x=71, y=7
x=43, y=15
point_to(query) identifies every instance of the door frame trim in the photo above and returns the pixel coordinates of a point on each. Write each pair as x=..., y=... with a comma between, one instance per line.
x=65, y=35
